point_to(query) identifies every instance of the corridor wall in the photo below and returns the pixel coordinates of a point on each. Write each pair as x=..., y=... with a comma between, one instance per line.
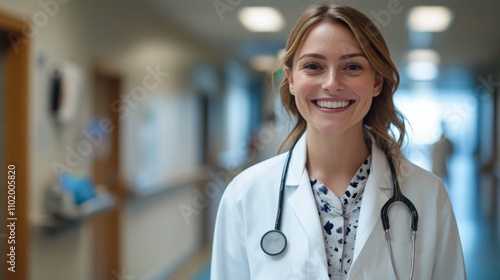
x=132, y=38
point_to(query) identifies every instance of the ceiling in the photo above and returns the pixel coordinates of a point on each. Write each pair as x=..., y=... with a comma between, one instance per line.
x=472, y=41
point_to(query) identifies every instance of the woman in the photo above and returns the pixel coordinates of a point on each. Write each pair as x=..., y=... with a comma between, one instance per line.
x=339, y=86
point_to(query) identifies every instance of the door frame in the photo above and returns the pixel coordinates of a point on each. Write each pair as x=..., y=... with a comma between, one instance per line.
x=107, y=226
x=17, y=58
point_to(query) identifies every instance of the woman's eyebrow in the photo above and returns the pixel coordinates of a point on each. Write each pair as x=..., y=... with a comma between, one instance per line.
x=313, y=55
x=351, y=55
x=342, y=57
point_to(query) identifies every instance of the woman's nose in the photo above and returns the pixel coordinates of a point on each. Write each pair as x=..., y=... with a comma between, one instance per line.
x=332, y=81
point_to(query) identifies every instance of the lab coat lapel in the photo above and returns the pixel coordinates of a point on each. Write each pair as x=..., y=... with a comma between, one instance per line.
x=297, y=162
x=377, y=192
x=304, y=206
x=302, y=201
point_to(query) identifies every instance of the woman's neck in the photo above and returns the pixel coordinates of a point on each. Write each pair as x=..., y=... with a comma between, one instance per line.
x=335, y=159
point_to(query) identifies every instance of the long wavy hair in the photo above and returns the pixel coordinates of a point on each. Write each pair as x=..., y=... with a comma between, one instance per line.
x=382, y=117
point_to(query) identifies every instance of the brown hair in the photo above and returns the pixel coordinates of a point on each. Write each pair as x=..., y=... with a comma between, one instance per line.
x=382, y=113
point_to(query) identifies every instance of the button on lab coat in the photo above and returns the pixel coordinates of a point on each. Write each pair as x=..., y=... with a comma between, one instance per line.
x=248, y=210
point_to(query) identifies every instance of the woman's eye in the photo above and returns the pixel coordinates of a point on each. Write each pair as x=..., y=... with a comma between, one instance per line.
x=311, y=66
x=353, y=67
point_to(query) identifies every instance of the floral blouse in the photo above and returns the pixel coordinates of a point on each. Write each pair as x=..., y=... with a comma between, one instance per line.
x=339, y=217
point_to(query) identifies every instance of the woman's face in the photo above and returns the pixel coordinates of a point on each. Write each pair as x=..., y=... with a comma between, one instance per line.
x=332, y=80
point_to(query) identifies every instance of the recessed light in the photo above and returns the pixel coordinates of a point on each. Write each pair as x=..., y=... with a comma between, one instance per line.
x=261, y=19
x=429, y=18
x=423, y=55
x=422, y=71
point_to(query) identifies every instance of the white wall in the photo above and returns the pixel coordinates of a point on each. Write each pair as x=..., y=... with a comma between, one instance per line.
x=128, y=37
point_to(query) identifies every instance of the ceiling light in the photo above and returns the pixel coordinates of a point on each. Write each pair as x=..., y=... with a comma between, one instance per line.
x=261, y=19
x=422, y=64
x=263, y=63
x=423, y=55
x=422, y=71
x=429, y=18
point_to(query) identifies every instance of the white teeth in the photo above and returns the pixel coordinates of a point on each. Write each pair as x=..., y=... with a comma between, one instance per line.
x=332, y=104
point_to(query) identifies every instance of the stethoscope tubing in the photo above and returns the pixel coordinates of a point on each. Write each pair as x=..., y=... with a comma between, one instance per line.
x=276, y=235
x=277, y=225
x=397, y=196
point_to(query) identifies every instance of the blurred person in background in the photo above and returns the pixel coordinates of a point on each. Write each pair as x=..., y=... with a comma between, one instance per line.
x=328, y=197
x=442, y=151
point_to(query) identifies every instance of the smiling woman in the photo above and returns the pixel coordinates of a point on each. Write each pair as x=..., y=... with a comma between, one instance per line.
x=361, y=49
x=341, y=175
x=334, y=84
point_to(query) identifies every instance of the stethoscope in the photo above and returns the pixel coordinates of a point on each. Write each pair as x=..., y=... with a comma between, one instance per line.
x=274, y=241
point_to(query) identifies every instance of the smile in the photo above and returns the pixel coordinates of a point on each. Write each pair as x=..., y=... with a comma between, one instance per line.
x=332, y=104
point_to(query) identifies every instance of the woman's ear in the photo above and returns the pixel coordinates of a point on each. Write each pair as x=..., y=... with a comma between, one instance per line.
x=379, y=82
x=289, y=77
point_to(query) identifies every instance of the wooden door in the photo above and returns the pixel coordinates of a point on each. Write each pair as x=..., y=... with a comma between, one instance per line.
x=14, y=84
x=106, y=166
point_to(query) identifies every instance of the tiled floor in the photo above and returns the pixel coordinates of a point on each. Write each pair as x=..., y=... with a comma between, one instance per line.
x=473, y=203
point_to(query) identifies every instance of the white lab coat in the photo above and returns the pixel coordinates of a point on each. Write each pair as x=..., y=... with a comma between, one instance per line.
x=248, y=210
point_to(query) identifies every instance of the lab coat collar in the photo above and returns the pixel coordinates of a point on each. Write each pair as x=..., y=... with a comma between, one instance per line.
x=297, y=162
x=299, y=157
x=377, y=191
x=303, y=204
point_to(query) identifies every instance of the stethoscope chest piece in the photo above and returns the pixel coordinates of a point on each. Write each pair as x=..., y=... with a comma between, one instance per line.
x=273, y=242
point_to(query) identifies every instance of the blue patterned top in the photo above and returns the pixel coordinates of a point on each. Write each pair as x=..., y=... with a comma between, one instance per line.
x=339, y=217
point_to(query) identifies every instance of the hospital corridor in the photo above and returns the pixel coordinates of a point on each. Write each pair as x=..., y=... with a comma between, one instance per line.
x=123, y=123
